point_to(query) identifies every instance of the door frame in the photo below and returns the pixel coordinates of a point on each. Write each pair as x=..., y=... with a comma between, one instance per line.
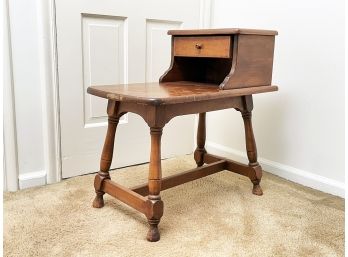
x=51, y=102
x=50, y=89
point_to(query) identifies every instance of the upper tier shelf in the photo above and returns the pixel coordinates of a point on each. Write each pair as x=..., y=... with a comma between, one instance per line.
x=230, y=58
x=171, y=92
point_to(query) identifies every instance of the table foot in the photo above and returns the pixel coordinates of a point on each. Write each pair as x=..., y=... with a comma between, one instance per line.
x=153, y=235
x=198, y=156
x=257, y=190
x=255, y=178
x=98, y=201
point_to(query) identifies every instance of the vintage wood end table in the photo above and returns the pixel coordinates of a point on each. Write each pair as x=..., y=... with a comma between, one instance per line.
x=211, y=69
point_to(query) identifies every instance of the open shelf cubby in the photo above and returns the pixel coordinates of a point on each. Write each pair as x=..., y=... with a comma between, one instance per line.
x=202, y=70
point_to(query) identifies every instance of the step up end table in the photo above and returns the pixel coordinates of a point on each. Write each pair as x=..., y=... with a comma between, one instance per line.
x=210, y=70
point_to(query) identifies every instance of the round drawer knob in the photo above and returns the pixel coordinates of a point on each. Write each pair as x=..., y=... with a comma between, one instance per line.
x=199, y=46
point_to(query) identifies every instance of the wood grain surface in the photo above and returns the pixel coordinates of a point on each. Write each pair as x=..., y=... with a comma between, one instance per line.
x=171, y=92
x=211, y=46
x=223, y=31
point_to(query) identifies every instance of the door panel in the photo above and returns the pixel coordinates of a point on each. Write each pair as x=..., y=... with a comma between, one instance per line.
x=115, y=42
x=158, y=47
x=104, y=62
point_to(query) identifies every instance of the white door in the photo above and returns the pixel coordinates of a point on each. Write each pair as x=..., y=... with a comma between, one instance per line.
x=115, y=42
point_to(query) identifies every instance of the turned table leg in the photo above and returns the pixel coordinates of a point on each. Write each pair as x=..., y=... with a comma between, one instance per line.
x=105, y=162
x=252, y=153
x=155, y=211
x=200, y=150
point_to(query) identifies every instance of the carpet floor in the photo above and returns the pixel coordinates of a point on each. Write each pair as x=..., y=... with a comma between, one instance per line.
x=214, y=216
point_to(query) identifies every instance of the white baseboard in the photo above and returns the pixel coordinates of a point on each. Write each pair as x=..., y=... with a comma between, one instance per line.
x=32, y=179
x=299, y=176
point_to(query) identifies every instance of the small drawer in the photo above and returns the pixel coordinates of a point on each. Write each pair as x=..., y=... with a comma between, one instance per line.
x=208, y=46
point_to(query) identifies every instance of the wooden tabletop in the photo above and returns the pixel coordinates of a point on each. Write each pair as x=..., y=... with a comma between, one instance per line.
x=224, y=31
x=171, y=92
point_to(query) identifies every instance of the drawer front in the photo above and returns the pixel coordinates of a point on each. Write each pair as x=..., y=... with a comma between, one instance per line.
x=208, y=46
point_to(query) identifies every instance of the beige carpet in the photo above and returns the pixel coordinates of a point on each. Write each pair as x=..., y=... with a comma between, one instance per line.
x=214, y=216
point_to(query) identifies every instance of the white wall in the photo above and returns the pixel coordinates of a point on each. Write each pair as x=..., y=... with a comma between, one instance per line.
x=300, y=129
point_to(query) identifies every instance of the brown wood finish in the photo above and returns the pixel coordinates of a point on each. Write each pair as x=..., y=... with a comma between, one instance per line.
x=248, y=64
x=154, y=185
x=159, y=115
x=200, y=150
x=190, y=85
x=253, y=64
x=236, y=167
x=184, y=177
x=171, y=92
x=218, y=46
x=107, y=153
x=223, y=31
x=125, y=195
x=251, y=145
